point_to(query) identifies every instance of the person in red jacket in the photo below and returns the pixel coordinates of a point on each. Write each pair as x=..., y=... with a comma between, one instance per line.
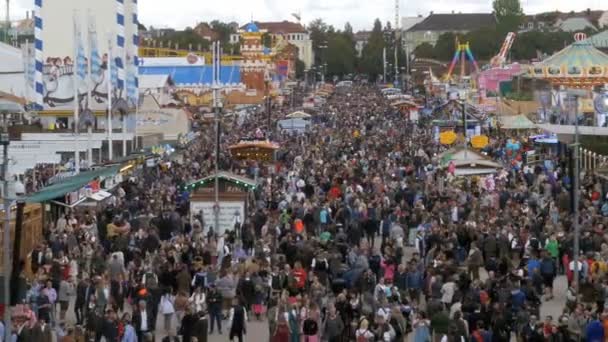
x=299, y=273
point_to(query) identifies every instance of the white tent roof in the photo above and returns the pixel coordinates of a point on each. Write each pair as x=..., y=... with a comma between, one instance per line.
x=467, y=162
x=153, y=81
x=516, y=122
x=298, y=115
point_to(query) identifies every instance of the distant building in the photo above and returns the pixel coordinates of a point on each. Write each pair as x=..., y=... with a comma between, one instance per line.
x=575, y=24
x=600, y=41
x=436, y=24
x=205, y=31
x=408, y=22
x=294, y=33
x=569, y=22
x=602, y=21
x=361, y=39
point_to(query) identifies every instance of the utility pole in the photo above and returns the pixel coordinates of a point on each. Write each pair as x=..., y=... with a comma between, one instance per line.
x=576, y=181
x=6, y=239
x=397, y=42
x=384, y=64
x=216, y=109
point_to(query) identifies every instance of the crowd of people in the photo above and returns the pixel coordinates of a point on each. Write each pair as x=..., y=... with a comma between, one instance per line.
x=354, y=233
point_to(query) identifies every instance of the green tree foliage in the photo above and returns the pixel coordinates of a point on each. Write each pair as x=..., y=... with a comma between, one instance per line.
x=300, y=67
x=424, y=50
x=184, y=39
x=509, y=14
x=445, y=46
x=340, y=55
x=485, y=43
x=318, y=34
x=267, y=40
x=223, y=30
x=371, y=59
x=529, y=45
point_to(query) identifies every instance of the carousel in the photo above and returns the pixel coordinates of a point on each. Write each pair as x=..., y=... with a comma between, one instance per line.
x=257, y=148
x=579, y=65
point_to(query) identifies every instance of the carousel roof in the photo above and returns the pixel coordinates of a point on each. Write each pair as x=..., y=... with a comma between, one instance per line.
x=255, y=143
x=579, y=65
x=581, y=54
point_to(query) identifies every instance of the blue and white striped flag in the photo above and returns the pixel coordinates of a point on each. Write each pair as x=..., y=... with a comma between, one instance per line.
x=132, y=87
x=94, y=58
x=81, y=60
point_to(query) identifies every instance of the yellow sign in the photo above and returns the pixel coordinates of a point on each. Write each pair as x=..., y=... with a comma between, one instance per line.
x=480, y=141
x=447, y=137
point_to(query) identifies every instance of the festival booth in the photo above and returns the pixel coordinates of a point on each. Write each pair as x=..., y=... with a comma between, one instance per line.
x=70, y=192
x=449, y=117
x=580, y=66
x=233, y=196
x=261, y=150
x=293, y=125
x=26, y=230
x=466, y=162
x=408, y=108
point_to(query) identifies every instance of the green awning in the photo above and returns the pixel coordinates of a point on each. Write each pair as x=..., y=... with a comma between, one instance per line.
x=70, y=184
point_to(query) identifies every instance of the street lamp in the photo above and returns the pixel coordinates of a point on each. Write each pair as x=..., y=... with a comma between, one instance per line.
x=7, y=108
x=575, y=94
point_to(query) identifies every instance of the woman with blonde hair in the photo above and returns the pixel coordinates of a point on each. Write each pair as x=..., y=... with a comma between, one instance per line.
x=364, y=334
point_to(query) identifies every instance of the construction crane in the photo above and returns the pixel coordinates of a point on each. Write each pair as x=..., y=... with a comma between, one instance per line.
x=499, y=60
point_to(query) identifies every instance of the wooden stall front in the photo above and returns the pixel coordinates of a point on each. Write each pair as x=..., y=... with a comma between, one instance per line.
x=31, y=232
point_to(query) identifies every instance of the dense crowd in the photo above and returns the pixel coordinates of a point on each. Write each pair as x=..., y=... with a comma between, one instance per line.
x=354, y=234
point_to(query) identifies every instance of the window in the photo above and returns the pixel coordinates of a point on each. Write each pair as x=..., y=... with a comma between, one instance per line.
x=595, y=70
x=530, y=25
x=574, y=70
x=554, y=71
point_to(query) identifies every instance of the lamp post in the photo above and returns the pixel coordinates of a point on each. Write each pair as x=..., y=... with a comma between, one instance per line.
x=575, y=94
x=6, y=108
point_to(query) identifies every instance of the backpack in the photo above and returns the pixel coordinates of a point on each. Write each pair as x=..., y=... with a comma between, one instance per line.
x=547, y=267
x=151, y=280
x=362, y=338
x=310, y=327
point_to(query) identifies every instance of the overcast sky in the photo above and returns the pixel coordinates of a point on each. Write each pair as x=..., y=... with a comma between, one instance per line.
x=360, y=13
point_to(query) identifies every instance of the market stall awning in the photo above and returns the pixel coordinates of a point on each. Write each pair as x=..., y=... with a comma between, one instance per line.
x=298, y=115
x=516, y=122
x=467, y=162
x=70, y=184
x=244, y=182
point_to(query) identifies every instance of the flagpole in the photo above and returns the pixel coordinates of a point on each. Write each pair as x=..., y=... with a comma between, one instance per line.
x=88, y=83
x=109, y=125
x=76, y=98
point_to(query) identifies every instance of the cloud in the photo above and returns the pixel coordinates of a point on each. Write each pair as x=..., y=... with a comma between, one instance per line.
x=360, y=13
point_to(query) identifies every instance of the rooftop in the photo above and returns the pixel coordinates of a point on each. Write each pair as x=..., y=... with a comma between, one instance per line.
x=455, y=22
x=277, y=27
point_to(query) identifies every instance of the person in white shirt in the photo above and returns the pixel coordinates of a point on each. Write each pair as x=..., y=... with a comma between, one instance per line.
x=167, y=309
x=198, y=299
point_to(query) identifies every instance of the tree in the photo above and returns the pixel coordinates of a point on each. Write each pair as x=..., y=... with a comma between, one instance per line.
x=184, y=39
x=223, y=30
x=371, y=59
x=424, y=50
x=509, y=15
x=485, y=43
x=318, y=36
x=300, y=67
x=340, y=55
x=445, y=46
x=267, y=40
